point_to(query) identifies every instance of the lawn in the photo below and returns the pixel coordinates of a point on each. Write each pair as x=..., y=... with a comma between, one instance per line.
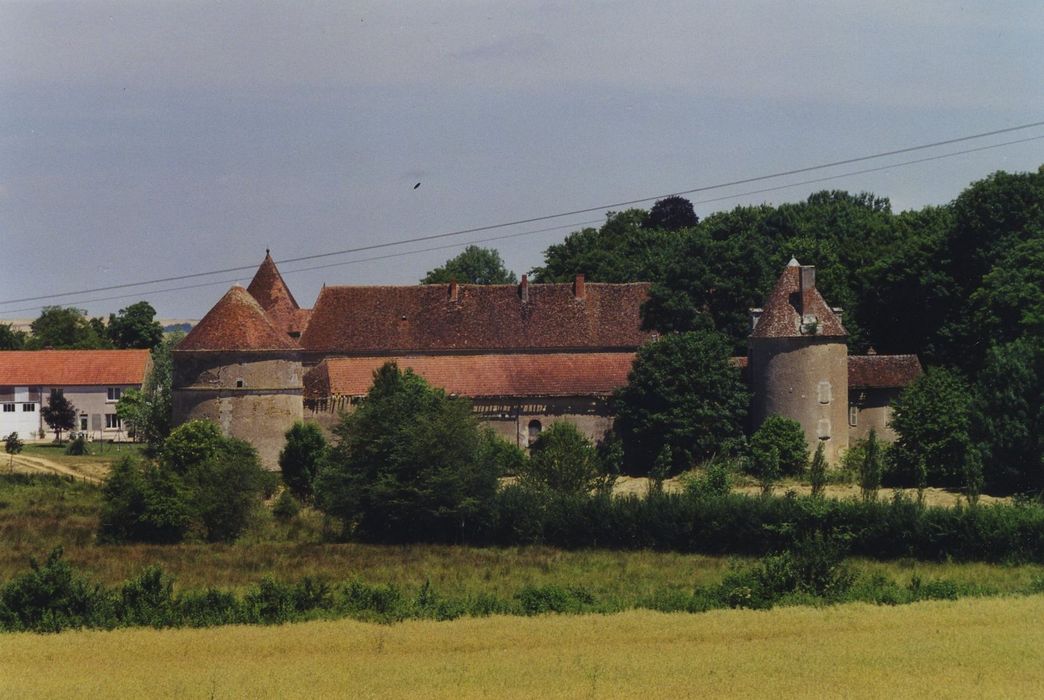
x=968, y=648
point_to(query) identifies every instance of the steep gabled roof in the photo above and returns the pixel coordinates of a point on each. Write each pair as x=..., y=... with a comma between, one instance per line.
x=509, y=375
x=274, y=296
x=796, y=310
x=237, y=322
x=882, y=371
x=428, y=318
x=73, y=367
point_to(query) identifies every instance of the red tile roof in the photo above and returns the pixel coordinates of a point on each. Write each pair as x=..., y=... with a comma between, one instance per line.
x=423, y=318
x=274, y=296
x=73, y=367
x=882, y=371
x=781, y=317
x=237, y=322
x=552, y=374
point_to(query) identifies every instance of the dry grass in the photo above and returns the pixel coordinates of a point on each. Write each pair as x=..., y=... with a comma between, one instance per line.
x=969, y=648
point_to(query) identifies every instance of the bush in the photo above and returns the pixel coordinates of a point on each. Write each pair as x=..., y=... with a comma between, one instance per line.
x=143, y=504
x=286, y=508
x=412, y=464
x=51, y=598
x=563, y=460
x=787, y=438
x=301, y=458
x=77, y=446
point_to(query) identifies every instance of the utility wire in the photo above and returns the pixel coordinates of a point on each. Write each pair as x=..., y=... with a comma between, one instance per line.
x=575, y=224
x=547, y=217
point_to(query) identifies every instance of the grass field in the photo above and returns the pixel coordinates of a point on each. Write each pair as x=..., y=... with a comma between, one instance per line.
x=968, y=648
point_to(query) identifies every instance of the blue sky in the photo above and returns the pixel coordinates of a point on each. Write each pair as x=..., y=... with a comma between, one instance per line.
x=147, y=139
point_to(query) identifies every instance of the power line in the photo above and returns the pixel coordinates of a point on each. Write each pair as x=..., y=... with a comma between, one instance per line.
x=574, y=224
x=547, y=217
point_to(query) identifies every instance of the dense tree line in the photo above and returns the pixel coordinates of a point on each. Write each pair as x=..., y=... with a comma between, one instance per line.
x=69, y=328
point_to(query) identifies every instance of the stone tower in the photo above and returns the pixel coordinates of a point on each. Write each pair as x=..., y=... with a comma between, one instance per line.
x=240, y=370
x=798, y=361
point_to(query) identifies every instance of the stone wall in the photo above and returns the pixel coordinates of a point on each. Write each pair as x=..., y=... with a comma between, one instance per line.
x=805, y=379
x=872, y=410
x=252, y=396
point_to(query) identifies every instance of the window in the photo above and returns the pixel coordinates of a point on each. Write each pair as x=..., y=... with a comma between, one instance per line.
x=9, y=408
x=112, y=421
x=28, y=408
x=534, y=431
x=853, y=416
x=83, y=421
x=239, y=383
x=114, y=393
x=824, y=392
x=823, y=429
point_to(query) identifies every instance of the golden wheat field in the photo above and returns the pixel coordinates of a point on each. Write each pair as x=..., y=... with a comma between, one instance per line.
x=968, y=648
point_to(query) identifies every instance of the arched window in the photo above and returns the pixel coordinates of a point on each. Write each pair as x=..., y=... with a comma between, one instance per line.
x=534, y=431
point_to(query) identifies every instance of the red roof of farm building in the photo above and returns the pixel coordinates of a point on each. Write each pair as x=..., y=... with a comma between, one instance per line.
x=882, y=371
x=73, y=367
x=237, y=322
x=788, y=303
x=551, y=374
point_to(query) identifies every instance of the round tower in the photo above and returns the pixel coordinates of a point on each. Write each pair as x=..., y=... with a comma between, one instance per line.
x=237, y=369
x=798, y=361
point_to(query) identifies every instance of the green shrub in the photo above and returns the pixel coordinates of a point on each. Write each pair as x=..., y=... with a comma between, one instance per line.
x=77, y=446
x=817, y=471
x=286, y=507
x=562, y=459
x=51, y=598
x=788, y=439
x=537, y=600
x=301, y=458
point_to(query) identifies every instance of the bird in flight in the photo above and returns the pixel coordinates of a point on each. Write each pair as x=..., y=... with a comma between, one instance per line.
x=416, y=186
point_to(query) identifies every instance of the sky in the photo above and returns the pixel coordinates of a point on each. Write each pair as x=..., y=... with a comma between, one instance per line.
x=150, y=139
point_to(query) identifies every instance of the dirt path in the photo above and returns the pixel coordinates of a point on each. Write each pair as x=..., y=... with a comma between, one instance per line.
x=37, y=465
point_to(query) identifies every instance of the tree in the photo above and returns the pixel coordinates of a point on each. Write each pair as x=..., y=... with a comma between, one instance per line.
x=59, y=327
x=1010, y=301
x=870, y=469
x=474, y=265
x=671, y=214
x=1008, y=414
x=932, y=418
x=59, y=414
x=10, y=339
x=620, y=251
x=683, y=391
x=562, y=460
x=135, y=327
x=411, y=464
x=788, y=438
x=817, y=475
x=13, y=446
x=301, y=458
x=148, y=411
x=143, y=503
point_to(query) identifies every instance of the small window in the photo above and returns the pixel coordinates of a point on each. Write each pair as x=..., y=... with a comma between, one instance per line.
x=114, y=393
x=823, y=429
x=824, y=392
x=853, y=416
x=239, y=383
x=112, y=421
x=534, y=431
x=28, y=408
x=9, y=408
x=83, y=421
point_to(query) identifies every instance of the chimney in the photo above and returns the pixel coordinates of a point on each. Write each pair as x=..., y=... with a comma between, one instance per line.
x=579, y=289
x=454, y=291
x=523, y=289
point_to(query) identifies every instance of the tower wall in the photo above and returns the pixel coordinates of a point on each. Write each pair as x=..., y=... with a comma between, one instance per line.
x=805, y=379
x=254, y=396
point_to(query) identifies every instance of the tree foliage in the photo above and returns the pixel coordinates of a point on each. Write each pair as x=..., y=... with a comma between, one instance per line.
x=301, y=458
x=474, y=265
x=411, y=464
x=13, y=445
x=148, y=411
x=66, y=328
x=59, y=413
x=788, y=439
x=135, y=327
x=562, y=460
x=11, y=339
x=932, y=419
x=683, y=392
x=671, y=214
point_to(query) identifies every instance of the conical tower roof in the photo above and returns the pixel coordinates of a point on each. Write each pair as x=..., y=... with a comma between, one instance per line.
x=269, y=288
x=796, y=309
x=237, y=322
